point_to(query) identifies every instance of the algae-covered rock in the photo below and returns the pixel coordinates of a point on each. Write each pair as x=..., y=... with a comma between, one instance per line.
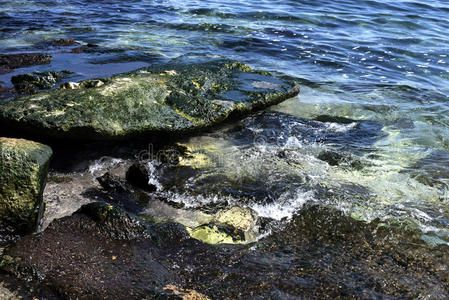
x=23, y=173
x=175, y=292
x=213, y=234
x=229, y=226
x=32, y=83
x=170, y=99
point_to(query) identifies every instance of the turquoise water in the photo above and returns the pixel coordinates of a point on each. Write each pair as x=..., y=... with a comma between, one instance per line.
x=382, y=65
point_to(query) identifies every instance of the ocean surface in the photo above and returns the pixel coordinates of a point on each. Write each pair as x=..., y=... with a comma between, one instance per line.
x=368, y=135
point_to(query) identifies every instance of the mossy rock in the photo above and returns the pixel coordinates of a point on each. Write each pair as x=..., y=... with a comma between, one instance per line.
x=23, y=174
x=172, y=99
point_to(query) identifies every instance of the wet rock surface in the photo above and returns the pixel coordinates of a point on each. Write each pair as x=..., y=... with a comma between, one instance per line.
x=134, y=243
x=119, y=228
x=78, y=257
x=170, y=99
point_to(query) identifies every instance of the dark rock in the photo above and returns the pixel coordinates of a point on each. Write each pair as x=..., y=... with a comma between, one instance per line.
x=168, y=234
x=111, y=183
x=334, y=119
x=63, y=42
x=138, y=175
x=23, y=174
x=173, y=99
x=321, y=252
x=112, y=221
x=117, y=193
x=13, y=61
x=332, y=158
x=336, y=159
x=92, y=48
x=77, y=258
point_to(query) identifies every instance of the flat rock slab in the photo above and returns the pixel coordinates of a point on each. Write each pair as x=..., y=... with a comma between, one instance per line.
x=169, y=99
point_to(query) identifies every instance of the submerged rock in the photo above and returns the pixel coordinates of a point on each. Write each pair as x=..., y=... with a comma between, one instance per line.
x=172, y=99
x=432, y=170
x=93, y=48
x=13, y=61
x=63, y=42
x=23, y=174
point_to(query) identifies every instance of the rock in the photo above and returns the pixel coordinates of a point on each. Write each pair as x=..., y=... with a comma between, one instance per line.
x=23, y=174
x=215, y=234
x=116, y=192
x=70, y=86
x=32, y=83
x=112, y=221
x=431, y=170
x=233, y=225
x=63, y=42
x=6, y=93
x=78, y=257
x=7, y=294
x=184, y=294
x=334, y=158
x=228, y=226
x=320, y=252
x=168, y=234
x=138, y=176
x=13, y=61
x=241, y=218
x=5, y=70
x=147, y=102
x=93, y=48
x=334, y=119
x=111, y=183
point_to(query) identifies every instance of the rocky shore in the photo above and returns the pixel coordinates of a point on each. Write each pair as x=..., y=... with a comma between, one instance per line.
x=109, y=230
x=171, y=100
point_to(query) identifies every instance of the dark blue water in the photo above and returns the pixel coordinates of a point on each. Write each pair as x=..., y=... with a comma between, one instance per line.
x=383, y=64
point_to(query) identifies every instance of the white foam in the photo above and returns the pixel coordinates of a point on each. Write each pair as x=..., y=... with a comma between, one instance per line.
x=285, y=207
x=103, y=164
x=335, y=127
x=153, y=176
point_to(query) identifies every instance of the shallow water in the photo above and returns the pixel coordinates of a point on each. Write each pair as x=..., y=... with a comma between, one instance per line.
x=380, y=64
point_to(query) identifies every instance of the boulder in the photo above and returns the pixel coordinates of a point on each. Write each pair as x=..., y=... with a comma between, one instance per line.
x=23, y=173
x=171, y=99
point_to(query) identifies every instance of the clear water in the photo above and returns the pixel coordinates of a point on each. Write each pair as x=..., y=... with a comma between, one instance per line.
x=382, y=64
